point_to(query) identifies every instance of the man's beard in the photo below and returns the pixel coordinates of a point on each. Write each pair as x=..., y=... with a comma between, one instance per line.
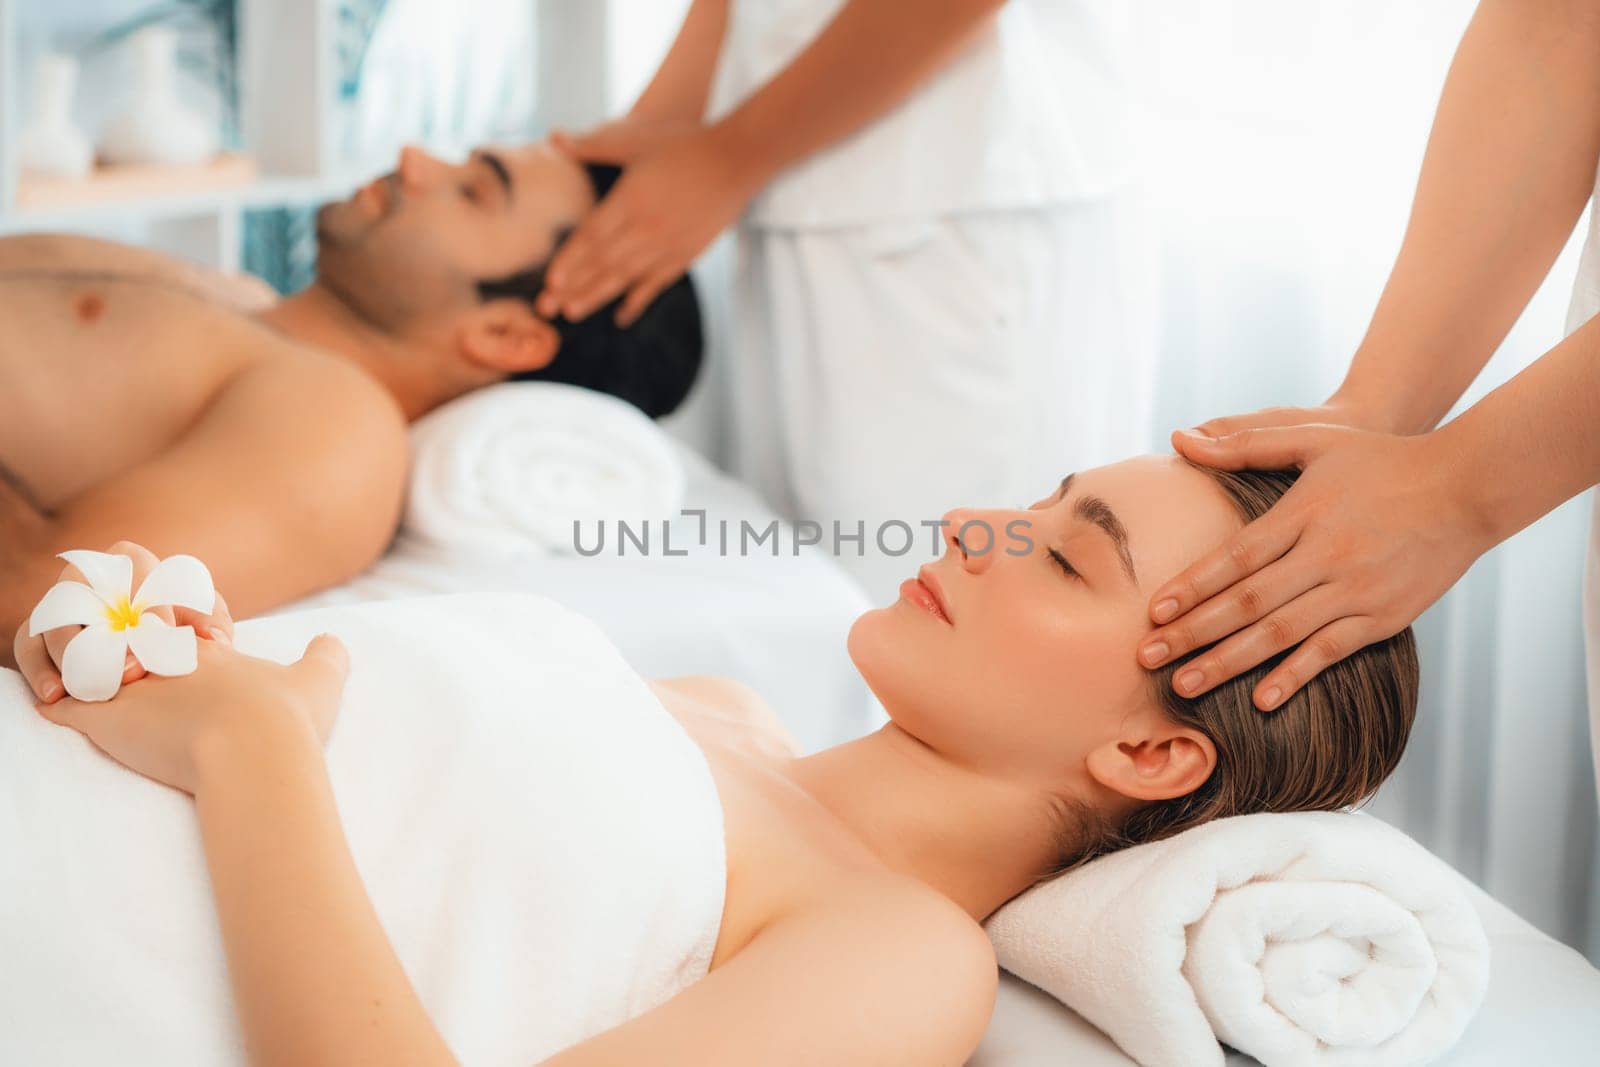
x=384, y=270
x=355, y=270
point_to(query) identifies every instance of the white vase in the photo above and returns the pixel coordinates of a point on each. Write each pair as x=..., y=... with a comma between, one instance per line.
x=50, y=144
x=156, y=127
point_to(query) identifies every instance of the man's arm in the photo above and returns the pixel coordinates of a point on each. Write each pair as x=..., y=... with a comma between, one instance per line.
x=1509, y=165
x=291, y=482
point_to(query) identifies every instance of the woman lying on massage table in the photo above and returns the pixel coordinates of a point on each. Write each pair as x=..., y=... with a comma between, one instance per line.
x=1024, y=737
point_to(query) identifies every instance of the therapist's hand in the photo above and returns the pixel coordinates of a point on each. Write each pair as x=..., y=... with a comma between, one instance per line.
x=1373, y=532
x=684, y=184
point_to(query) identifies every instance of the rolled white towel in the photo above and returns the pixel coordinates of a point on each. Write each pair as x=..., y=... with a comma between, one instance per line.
x=509, y=469
x=1309, y=938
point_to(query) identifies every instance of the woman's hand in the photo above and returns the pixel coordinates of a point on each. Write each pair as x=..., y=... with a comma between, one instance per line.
x=685, y=183
x=169, y=728
x=39, y=658
x=1373, y=532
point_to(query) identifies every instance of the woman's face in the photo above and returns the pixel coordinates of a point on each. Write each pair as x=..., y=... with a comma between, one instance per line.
x=1013, y=654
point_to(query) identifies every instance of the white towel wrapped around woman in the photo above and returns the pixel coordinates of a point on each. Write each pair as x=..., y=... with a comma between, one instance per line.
x=509, y=469
x=541, y=840
x=1309, y=938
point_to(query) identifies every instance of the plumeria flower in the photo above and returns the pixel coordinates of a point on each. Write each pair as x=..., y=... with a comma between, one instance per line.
x=115, y=620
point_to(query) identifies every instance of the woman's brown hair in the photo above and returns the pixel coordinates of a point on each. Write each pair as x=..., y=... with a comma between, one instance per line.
x=1328, y=746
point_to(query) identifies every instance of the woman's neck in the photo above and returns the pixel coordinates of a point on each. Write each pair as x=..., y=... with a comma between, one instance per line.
x=974, y=839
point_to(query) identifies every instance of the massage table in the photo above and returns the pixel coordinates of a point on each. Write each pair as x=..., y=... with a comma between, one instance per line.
x=1542, y=1010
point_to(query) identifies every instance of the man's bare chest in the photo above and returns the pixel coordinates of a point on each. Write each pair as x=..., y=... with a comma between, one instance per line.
x=98, y=372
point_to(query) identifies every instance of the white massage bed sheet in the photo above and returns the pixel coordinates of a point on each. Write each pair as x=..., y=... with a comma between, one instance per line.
x=1542, y=1007
x=776, y=624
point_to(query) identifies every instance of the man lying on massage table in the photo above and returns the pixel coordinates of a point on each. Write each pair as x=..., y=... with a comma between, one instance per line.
x=143, y=397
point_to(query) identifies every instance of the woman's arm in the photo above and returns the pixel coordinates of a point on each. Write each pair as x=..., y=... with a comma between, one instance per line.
x=315, y=978
x=880, y=974
x=1509, y=165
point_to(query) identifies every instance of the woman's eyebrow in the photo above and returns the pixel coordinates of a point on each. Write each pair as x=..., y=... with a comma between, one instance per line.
x=1094, y=510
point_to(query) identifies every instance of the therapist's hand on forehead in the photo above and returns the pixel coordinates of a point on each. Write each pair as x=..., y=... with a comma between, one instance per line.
x=1376, y=528
x=1388, y=512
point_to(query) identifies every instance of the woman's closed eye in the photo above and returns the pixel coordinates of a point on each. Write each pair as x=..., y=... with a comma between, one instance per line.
x=1062, y=562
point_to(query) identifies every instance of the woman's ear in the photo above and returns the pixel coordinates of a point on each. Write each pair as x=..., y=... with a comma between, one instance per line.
x=1168, y=761
x=506, y=336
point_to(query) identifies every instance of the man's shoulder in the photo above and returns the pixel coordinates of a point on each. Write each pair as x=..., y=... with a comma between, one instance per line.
x=319, y=420
x=323, y=448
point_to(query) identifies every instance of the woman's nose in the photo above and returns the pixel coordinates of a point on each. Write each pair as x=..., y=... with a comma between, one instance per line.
x=972, y=535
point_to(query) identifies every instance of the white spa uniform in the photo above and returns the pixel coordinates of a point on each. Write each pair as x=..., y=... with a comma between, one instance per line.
x=943, y=309
x=1585, y=305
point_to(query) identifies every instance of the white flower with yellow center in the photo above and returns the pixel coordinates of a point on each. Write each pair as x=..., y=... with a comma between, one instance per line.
x=115, y=619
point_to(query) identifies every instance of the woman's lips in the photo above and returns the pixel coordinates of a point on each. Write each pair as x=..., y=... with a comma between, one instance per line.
x=923, y=591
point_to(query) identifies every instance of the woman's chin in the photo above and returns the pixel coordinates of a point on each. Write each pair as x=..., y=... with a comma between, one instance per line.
x=890, y=649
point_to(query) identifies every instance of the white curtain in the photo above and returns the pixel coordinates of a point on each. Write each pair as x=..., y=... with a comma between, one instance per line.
x=1283, y=144
x=450, y=76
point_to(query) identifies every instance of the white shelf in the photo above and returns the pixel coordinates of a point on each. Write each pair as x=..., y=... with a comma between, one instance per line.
x=264, y=192
x=287, y=103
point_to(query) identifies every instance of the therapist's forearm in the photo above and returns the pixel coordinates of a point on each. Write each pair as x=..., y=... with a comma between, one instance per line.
x=1509, y=165
x=315, y=978
x=872, y=56
x=1534, y=442
x=681, y=87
